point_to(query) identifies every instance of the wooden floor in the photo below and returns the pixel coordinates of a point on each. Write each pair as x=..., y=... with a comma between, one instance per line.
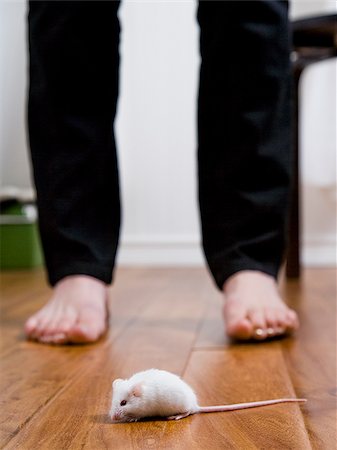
x=58, y=397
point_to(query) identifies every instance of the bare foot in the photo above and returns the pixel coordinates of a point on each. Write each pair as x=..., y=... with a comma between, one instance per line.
x=254, y=309
x=76, y=312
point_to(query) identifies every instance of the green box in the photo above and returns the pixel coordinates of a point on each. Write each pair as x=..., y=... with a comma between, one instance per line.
x=19, y=240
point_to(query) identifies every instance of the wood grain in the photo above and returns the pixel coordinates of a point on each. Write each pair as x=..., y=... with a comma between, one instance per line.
x=243, y=374
x=58, y=397
x=311, y=359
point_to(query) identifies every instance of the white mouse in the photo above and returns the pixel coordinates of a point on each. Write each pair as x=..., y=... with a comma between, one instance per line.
x=156, y=392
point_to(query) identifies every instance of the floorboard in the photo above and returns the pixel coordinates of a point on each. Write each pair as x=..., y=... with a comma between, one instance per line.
x=242, y=374
x=58, y=397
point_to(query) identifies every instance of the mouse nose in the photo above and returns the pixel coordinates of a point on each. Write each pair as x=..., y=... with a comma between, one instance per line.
x=115, y=416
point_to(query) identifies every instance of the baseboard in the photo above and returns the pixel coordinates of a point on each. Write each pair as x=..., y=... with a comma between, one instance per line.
x=186, y=250
x=182, y=250
x=319, y=251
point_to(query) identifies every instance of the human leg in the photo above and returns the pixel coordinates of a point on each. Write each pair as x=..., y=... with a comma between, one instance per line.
x=244, y=157
x=74, y=59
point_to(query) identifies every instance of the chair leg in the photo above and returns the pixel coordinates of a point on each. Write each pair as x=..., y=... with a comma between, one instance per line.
x=293, y=268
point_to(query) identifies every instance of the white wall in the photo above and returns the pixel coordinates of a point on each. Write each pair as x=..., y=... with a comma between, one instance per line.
x=156, y=131
x=13, y=59
x=318, y=150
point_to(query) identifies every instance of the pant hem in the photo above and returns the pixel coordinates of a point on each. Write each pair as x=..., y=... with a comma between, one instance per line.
x=220, y=275
x=102, y=274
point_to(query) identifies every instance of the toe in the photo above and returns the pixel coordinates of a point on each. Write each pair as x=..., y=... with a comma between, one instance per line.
x=87, y=328
x=30, y=325
x=81, y=333
x=271, y=321
x=282, y=321
x=259, y=324
x=237, y=324
x=40, y=327
x=241, y=329
x=35, y=323
x=293, y=323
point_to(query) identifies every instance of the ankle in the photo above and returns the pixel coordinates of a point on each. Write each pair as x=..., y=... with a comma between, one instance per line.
x=80, y=282
x=80, y=278
x=247, y=277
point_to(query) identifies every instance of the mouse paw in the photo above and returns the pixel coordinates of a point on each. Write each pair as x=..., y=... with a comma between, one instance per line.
x=178, y=416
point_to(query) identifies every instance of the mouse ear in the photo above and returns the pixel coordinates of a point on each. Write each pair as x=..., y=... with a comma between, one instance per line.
x=116, y=381
x=137, y=390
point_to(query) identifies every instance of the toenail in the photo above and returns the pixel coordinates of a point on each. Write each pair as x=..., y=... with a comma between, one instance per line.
x=53, y=337
x=59, y=336
x=259, y=332
x=270, y=331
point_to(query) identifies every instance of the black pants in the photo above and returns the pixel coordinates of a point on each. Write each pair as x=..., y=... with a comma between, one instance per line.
x=243, y=134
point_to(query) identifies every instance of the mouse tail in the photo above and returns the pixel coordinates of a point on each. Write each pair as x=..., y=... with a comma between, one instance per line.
x=235, y=406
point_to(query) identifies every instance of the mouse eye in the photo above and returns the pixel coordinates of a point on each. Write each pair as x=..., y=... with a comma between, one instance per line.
x=123, y=402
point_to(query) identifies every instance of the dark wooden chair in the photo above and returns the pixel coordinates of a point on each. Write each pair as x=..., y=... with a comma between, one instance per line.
x=314, y=40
